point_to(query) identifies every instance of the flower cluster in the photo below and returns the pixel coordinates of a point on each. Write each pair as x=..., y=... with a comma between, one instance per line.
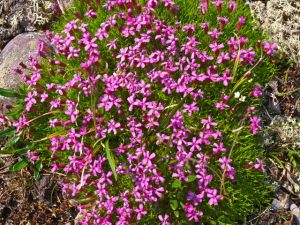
x=137, y=119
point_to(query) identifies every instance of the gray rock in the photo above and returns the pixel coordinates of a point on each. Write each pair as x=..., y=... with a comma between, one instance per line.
x=278, y=205
x=296, y=212
x=16, y=51
x=19, y=16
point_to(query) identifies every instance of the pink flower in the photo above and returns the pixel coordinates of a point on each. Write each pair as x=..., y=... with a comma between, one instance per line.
x=33, y=156
x=164, y=219
x=195, y=143
x=223, y=57
x=191, y=108
x=241, y=21
x=270, y=48
x=188, y=28
x=225, y=78
x=219, y=148
x=223, y=21
x=140, y=211
x=205, y=26
x=101, y=34
x=112, y=44
x=112, y=126
x=215, y=47
x=208, y=122
x=218, y=4
x=213, y=196
x=221, y=106
x=204, y=6
x=225, y=162
x=214, y=34
x=192, y=213
x=232, y=6
x=91, y=14
x=257, y=91
x=254, y=126
x=259, y=165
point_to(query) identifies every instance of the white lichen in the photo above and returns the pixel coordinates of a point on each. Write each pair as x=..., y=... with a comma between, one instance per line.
x=281, y=20
x=15, y=20
x=287, y=130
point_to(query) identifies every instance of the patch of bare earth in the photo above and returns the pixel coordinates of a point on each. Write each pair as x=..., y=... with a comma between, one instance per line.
x=26, y=201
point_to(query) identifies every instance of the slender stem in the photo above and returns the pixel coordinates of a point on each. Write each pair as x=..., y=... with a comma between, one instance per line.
x=45, y=114
x=210, y=168
x=222, y=185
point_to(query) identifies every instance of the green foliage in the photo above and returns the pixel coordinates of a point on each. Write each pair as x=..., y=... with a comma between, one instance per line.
x=245, y=195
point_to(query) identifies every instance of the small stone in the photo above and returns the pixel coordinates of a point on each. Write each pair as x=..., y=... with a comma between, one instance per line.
x=16, y=51
x=278, y=205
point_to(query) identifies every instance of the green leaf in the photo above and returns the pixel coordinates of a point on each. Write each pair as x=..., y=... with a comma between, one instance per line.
x=20, y=165
x=8, y=132
x=176, y=184
x=55, y=134
x=14, y=151
x=12, y=141
x=191, y=178
x=36, y=175
x=174, y=204
x=110, y=159
x=166, y=120
x=9, y=93
x=15, y=112
x=181, y=204
x=38, y=166
x=176, y=213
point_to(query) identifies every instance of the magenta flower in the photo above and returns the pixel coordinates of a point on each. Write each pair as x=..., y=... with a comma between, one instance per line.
x=254, y=126
x=164, y=219
x=214, y=34
x=257, y=91
x=30, y=100
x=208, y=122
x=215, y=47
x=218, y=4
x=113, y=126
x=140, y=212
x=205, y=26
x=219, y=148
x=204, y=6
x=270, y=48
x=33, y=156
x=225, y=78
x=223, y=57
x=259, y=165
x=195, y=144
x=91, y=14
x=192, y=213
x=225, y=162
x=191, y=108
x=195, y=198
x=213, y=196
x=232, y=6
x=241, y=21
x=73, y=52
x=221, y=106
x=223, y=21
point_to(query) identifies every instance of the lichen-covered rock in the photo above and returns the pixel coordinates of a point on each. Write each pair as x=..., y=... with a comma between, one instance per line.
x=16, y=51
x=286, y=130
x=281, y=20
x=18, y=16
